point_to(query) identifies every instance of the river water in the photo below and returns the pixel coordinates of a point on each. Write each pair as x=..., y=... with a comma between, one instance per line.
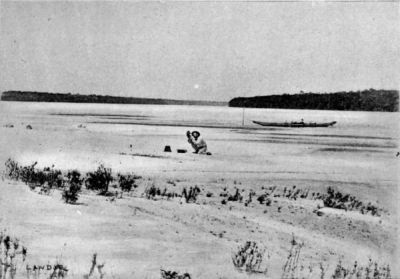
x=351, y=123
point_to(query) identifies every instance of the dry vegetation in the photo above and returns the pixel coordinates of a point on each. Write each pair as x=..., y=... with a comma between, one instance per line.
x=100, y=180
x=12, y=254
x=250, y=258
x=168, y=274
x=49, y=179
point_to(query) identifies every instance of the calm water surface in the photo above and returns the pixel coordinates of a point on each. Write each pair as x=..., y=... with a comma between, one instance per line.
x=350, y=123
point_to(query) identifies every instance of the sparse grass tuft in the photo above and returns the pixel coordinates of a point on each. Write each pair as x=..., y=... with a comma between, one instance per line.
x=93, y=268
x=250, y=258
x=11, y=253
x=291, y=267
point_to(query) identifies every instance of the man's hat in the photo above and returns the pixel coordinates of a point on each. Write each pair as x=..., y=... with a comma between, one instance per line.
x=195, y=132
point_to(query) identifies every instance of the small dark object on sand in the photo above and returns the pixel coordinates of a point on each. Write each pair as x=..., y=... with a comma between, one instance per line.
x=167, y=148
x=181, y=150
x=9, y=126
x=29, y=127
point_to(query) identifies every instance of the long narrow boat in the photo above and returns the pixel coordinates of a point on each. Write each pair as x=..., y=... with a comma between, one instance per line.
x=295, y=124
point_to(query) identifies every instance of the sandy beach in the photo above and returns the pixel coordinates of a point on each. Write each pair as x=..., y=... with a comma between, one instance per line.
x=136, y=237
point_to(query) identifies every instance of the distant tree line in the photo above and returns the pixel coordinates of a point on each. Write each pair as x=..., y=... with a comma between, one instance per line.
x=29, y=96
x=366, y=100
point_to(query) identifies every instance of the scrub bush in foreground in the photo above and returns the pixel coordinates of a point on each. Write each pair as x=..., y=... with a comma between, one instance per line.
x=250, y=258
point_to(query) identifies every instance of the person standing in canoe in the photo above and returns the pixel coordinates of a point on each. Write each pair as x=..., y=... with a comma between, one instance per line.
x=199, y=145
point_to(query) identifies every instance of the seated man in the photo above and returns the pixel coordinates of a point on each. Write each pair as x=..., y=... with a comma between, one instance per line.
x=198, y=144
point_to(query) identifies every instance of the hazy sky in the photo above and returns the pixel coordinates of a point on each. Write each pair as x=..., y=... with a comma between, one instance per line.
x=206, y=50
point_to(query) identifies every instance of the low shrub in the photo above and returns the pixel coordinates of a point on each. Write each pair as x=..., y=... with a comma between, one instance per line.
x=167, y=274
x=99, y=180
x=261, y=199
x=249, y=198
x=126, y=182
x=47, y=178
x=12, y=169
x=338, y=200
x=191, y=195
x=371, y=271
x=236, y=197
x=151, y=192
x=294, y=194
x=53, y=177
x=28, y=175
x=73, y=187
x=250, y=258
x=332, y=198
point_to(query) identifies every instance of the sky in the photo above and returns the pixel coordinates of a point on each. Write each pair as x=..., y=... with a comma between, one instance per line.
x=198, y=50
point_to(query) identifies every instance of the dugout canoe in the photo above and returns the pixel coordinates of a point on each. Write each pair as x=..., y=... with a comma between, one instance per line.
x=295, y=124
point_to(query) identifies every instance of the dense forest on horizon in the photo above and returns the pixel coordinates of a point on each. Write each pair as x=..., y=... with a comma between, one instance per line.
x=30, y=96
x=366, y=100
